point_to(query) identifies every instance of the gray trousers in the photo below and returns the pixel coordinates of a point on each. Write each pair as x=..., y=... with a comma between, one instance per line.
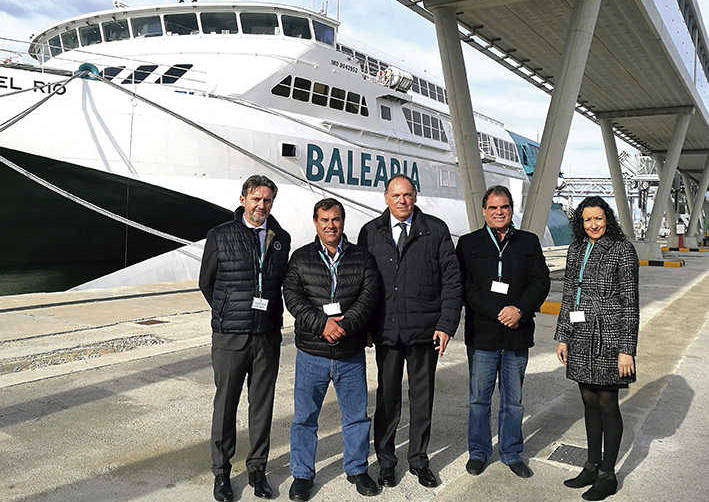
x=257, y=362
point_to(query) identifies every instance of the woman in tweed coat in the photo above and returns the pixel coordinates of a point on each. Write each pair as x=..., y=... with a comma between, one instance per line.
x=597, y=331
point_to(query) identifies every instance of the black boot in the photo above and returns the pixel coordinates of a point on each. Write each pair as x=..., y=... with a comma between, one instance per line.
x=585, y=478
x=606, y=484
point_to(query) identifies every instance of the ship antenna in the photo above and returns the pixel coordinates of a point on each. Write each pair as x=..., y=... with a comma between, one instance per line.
x=119, y=5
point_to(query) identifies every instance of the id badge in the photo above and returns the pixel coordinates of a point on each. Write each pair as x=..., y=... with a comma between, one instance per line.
x=499, y=287
x=259, y=303
x=332, y=309
x=577, y=316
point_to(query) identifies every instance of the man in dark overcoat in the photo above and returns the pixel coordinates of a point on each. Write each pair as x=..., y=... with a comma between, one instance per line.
x=418, y=313
x=506, y=280
x=243, y=266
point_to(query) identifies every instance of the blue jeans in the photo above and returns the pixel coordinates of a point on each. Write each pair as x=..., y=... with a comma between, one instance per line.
x=312, y=378
x=484, y=366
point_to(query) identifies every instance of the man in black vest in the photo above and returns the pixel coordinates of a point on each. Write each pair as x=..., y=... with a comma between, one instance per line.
x=243, y=266
x=331, y=290
x=419, y=312
x=506, y=280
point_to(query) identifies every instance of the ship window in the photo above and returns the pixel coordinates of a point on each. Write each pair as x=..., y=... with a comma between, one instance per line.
x=181, y=24
x=111, y=71
x=426, y=125
x=363, y=110
x=45, y=54
x=435, y=129
x=90, y=35
x=173, y=74
x=424, y=87
x=222, y=23
x=409, y=122
x=352, y=102
x=115, y=30
x=301, y=89
x=417, y=122
x=55, y=46
x=254, y=23
x=373, y=65
x=297, y=27
x=362, y=60
x=283, y=87
x=337, y=98
x=326, y=35
x=439, y=94
x=443, y=134
x=445, y=95
x=148, y=26
x=70, y=40
x=320, y=94
x=344, y=49
x=385, y=112
x=432, y=90
x=415, y=85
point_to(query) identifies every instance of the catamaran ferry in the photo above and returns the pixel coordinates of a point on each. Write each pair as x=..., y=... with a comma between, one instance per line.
x=132, y=135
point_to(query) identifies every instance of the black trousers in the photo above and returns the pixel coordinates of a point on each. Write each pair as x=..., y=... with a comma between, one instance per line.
x=257, y=362
x=421, y=362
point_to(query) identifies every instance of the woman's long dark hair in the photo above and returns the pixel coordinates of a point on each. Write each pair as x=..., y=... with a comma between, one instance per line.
x=613, y=230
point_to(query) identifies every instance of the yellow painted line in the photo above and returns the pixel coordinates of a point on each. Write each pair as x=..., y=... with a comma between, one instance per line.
x=687, y=250
x=661, y=263
x=552, y=308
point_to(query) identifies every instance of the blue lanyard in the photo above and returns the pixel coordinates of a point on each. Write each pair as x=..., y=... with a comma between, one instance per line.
x=499, y=252
x=260, y=273
x=589, y=247
x=332, y=268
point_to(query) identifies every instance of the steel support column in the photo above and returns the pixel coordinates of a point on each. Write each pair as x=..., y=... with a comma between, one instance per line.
x=559, y=116
x=695, y=214
x=461, y=110
x=688, y=195
x=621, y=197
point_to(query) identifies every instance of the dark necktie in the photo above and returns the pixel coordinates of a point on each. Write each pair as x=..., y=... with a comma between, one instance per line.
x=257, y=233
x=402, y=238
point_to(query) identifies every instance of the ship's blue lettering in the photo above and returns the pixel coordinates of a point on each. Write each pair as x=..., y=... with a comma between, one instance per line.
x=364, y=171
x=415, y=176
x=351, y=180
x=335, y=168
x=315, y=157
x=381, y=171
x=394, y=167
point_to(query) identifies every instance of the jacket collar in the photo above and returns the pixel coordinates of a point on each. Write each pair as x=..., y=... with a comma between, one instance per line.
x=418, y=222
x=318, y=246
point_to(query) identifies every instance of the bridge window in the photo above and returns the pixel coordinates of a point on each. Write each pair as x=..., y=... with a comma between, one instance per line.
x=148, y=26
x=343, y=49
x=45, y=54
x=417, y=122
x=435, y=128
x=283, y=87
x=90, y=35
x=115, y=30
x=55, y=46
x=373, y=66
x=222, y=23
x=363, y=110
x=353, y=102
x=385, y=112
x=254, y=23
x=297, y=27
x=181, y=24
x=337, y=98
x=326, y=35
x=70, y=40
x=362, y=60
x=415, y=85
x=301, y=89
x=320, y=94
x=439, y=94
x=424, y=87
x=426, y=125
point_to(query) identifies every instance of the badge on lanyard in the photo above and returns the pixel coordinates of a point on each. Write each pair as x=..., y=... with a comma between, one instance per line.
x=577, y=316
x=499, y=287
x=259, y=303
x=332, y=309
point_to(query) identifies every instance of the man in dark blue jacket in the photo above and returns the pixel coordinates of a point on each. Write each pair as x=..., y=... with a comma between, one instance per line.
x=418, y=312
x=331, y=290
x=243, y=266
x=506, y=280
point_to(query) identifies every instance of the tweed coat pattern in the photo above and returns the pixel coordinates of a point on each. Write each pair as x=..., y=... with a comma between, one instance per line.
x=609, y=300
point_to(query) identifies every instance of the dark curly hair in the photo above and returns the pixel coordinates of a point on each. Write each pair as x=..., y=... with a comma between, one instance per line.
x=613, y=230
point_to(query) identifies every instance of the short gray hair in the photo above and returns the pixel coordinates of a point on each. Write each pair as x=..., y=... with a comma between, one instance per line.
x=258, y=180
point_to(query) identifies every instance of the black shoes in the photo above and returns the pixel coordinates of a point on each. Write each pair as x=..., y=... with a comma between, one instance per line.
x=521, y=470
x=425, y=475
x=605, y=484
x=300, y=489
x=365, y=484
x=387, y=477
x=585, y=478
x=222, y=488
x=262, y=489
x=475, y=466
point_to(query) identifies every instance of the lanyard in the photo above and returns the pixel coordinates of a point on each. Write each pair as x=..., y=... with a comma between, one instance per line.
x=499, y=251
x=589, y=247
x=260, y=258
x=332, y=268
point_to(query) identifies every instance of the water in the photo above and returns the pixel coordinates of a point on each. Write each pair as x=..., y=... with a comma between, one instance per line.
x=49, y=278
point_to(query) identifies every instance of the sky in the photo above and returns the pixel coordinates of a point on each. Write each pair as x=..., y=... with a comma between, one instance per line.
x=387, y=29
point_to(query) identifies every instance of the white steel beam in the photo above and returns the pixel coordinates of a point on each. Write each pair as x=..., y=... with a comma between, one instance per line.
x=461, y=110
x=621, y=198
x=561, y=110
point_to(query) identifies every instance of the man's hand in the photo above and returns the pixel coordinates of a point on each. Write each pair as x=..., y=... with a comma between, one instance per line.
x=333, y=331
x=442, y=339
x=626, y=365
x=509, y=316
x=562, y=352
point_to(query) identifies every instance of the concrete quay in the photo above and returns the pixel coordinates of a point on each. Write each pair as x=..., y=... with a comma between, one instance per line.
x=98, y=401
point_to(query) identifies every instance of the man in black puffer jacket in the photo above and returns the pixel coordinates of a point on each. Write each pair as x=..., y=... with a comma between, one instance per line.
x=331, y=290
x=243, y=266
